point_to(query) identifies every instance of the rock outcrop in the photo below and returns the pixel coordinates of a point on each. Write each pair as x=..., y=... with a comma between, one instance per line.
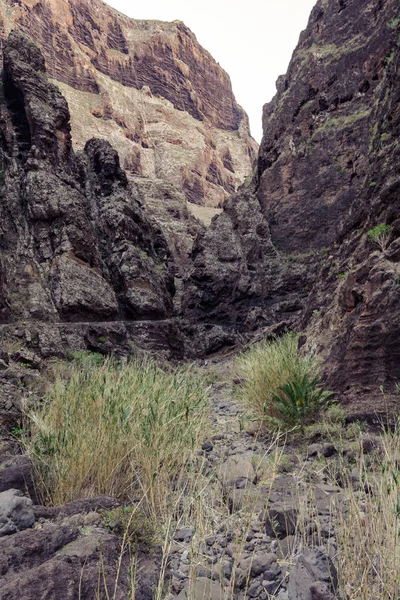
x=76, y=245
x=71, y=554
x=146, y=86
x=240, y=279
x=294, y=250
x=353, y=313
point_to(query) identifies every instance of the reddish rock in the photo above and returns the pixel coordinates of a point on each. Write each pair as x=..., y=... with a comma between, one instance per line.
x=146, y=85
x=77, y=245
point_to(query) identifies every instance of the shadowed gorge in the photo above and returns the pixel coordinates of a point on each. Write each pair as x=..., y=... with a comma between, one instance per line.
x=199, y=344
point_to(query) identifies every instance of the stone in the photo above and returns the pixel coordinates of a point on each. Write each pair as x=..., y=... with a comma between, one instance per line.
x=184, y=535
x=321, y=591
x=254, y=589
x=207, y=446
x=250, y=498
x=256, y=565
x=61, y=557
x=328, y=450
x=16, y=472
x=271, y=586
x=16, y=512
x=314, y=450
x=281, y=520
x=313, y=572
x=286, y=546
x=30, y=359
x=325, y=496
x=201, y=588
x=235, y=471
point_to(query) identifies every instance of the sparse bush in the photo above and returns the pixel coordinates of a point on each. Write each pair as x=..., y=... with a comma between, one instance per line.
x=124, y=430
x=273, y=369
x=85, y=358
x=379, y=235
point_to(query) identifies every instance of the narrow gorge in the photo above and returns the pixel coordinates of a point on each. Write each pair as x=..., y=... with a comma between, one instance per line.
x=151, y=256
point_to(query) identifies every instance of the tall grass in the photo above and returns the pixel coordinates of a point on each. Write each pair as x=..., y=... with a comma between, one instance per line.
x=124, y=430
x=368, y=527
x=265, y=371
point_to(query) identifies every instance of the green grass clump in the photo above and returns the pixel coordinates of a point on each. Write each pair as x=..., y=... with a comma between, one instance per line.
x=132, y=524
x=280, y=385
x=127, y=430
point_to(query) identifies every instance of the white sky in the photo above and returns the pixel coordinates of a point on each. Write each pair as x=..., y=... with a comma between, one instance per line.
x=252, y=40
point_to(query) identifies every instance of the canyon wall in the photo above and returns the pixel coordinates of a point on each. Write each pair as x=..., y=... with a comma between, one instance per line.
x=302, y=255
x=79, y=260
x=148, y=87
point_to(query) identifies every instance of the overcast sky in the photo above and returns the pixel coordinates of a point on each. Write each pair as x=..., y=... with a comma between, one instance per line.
x=252, y=40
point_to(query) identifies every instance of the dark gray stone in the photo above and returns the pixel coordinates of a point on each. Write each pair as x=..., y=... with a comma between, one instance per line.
x=312, y=569
x=16, y=512
x=281, y=520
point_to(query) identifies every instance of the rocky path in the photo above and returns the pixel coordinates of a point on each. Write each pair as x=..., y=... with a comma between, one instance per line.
x=273, y=538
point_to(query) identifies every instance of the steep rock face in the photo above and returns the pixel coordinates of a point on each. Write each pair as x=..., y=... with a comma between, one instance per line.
x=355, y=319
x=327, y=174
x=146, y=86
x=76, y=246
x=314, y=153
x=240, y=279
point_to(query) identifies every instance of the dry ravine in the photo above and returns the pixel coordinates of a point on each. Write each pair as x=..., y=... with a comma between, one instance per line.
x=260, y=516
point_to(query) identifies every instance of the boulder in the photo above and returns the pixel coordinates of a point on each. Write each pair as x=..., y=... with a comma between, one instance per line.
x=281, y=520
x=236, y=472
x=16, y=512
x=314, y=577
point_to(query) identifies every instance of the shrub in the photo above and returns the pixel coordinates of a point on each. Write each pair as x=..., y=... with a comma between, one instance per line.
x=298, y=401
x=124, y=430
x=379, y=235
x=272, y=369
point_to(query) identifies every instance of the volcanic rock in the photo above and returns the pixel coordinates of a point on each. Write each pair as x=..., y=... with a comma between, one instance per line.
x=293, y=248
x=146, y=86
x=76, y=245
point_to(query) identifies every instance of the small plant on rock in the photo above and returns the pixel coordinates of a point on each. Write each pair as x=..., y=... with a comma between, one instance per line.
x=379, y=235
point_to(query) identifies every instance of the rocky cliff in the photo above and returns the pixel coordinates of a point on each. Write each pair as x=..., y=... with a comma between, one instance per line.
x=327, y=174
x=76, y=246
x=146, y=86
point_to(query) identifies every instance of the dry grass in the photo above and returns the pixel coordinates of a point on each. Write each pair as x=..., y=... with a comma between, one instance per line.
x=124, y=430
x=368, y=527
x=134, y=431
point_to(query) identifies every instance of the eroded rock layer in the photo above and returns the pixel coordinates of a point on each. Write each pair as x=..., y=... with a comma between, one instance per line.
x=354, y=312
x=146, y=86
x=76, y=245
x=301, y=254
